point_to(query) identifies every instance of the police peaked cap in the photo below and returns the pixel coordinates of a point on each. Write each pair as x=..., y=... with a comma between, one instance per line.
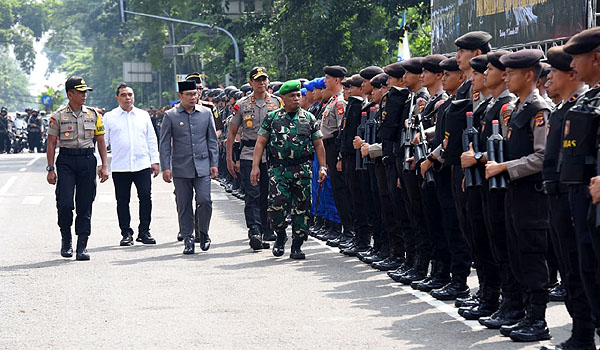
x=431, y=63
x=583, y=42
x=370, y=71
x=546, y=68
x=559, y=59
x=195, y=77
x=335, y=71
x=479, y=63
x=522, y=59
x=395, y=70
x=473, y=40
x=413, y=65
x=494, y=58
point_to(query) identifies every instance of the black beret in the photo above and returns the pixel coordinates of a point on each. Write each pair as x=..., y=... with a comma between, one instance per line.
x=346, y=82
x=395, y=70
x=583, y=42
x=450, y=64
x=335, y=71
x=379, y=80
x=258, y=72
x=370, y=72
x=473, y=40
x=432, y=63
x=546, y=68
x=186, y=85
x=413, y=65
x=355, y=80
x=559, y=59
x=494, y=58
x=479, y=63
x=522, y=59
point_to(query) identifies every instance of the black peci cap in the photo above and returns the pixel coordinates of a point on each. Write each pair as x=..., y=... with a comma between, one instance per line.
x=395, y=70
x=474, y=40
x=583, y=42
x=379, y=80
x=335, y=71
x=494, y=58
x=450, y=64
x=186, y=85
x=432, y=63
x=522, y=59
x=370, y=71
x=479, y=63
x=559, y=59
x=413, y=65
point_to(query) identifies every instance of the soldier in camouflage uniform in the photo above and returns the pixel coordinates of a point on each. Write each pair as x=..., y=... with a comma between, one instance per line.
x=290, y=136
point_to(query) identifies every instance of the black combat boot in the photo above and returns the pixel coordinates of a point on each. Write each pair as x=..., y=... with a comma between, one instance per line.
x=324, y=231
x=471, y=301
x=296, y=252
x=316, y=227
x=279, y=245
x=388, y=264
x=509, y=313
x=434, y=268
x=439, y=278
x=66, y=247
x=269, y=235
x=417, y=273
x=457, y=288
x=408, y=264
x=82, y=253
x=558, y=293
x=536, y=330
x=488, y=304
x=335, y=232
x=582, y=338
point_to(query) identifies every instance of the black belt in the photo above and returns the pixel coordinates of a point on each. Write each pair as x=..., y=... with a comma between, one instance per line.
x=248, y=143
x=554, y=188
x=76, y=151
x=288, y=162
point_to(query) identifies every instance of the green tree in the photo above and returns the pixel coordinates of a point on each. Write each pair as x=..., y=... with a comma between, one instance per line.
x=13, y=90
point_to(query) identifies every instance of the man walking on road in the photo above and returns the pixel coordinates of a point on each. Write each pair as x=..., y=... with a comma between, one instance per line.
x=131, y=135
x=189, y=157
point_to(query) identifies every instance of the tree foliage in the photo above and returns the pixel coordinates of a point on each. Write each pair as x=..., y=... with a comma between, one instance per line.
x=13, y=89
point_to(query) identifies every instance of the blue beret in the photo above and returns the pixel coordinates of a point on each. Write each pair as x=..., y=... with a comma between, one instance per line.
x=320, y=83
x=303, y=91
x=310, y=86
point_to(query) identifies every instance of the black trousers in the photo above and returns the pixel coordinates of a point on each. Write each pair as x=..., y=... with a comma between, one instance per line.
x=400, y=239
x=143, y=185
x=494, y=216
x=565, y=243
x=76, y=177
x=35, y=140
x=432, y=212
x=338, y=184
x=255, y=202
x=362, y=201
x=4, y=142
x=526, y=226
x=378, y=226
x=387, y=212
x=460, y=265
x=588, y=241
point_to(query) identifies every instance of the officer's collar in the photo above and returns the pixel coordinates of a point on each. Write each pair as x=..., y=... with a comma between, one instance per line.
x=181, y=109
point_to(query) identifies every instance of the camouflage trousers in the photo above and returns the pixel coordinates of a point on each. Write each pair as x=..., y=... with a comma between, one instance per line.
x=289, y=194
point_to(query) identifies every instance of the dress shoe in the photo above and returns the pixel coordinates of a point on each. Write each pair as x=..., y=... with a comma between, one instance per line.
x=145, y=238
x=189, y=245
x=451, y=291
x=279, y=245
x=296, y=252
x=81, y=251
x=255, y=242
x=204, y=241
x=406, y=265
x=269, y=235
x=388, y=264
x=558, y=293
x=179, y=236
x=507, y=329
x=127, y=239
x=66, y=246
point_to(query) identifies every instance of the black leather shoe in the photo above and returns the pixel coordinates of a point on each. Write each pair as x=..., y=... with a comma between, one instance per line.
x=180, y=237
x=255, y=242
x=296, y=252
x=391, y=263
x=471, y=301
x=66, y=247
x=377, y=257
x=477, y=312
x=502, y=317
x=82, y=253
x=508, y=329
x=535, y=331
x=279, y=245
x=127, y=239
x=558, y=293
x=204, y=241
x=451, y=291
x=355, y=249
x=417, y=273
x=362, y=255
x=145, y=238
x=269, y=236
x=189, y=245
x=571, y=344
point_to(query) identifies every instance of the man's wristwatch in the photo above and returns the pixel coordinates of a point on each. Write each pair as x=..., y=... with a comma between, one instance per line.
x=478, y=157
x=50, y=168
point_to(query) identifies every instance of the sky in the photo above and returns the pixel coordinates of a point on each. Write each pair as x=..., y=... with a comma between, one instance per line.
x=37, y=78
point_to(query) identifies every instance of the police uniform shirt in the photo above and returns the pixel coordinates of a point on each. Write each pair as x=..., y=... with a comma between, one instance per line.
x=76, y=129
x=249, y=113
x=333, y=115
x=532, y=163
x=430, y=132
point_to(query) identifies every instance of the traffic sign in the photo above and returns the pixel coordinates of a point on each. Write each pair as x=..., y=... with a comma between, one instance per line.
x=46, y=100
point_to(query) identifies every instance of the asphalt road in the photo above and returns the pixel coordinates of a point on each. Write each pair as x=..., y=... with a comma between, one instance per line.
x=153, y=297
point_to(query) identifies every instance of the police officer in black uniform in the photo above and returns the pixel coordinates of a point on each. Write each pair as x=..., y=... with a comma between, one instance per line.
x=34, y=132
x=77, y=126
x=4, y=131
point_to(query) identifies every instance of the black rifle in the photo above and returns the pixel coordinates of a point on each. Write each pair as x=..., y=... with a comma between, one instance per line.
x=360, y=132
x=408, y=136
x=421, y=151
x=471, y=135
x=495, y=153
x=370, y=131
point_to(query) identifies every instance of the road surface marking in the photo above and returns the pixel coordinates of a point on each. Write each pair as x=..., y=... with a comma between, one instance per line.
x=7, y=185
x=35, y=200
x=34, y=160
x=22, y=169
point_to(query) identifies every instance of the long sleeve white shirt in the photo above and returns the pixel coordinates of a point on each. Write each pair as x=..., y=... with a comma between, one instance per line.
x=132, y=139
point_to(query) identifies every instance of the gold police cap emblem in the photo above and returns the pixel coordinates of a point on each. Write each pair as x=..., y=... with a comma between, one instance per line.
x=180, y=123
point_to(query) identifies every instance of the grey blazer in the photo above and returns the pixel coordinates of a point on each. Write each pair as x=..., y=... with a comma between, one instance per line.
x=188, y=142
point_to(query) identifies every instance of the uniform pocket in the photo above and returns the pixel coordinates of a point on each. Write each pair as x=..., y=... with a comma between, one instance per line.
x=89, y=130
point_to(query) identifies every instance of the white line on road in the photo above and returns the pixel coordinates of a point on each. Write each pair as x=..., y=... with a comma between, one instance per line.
x=22, y=169
x=424, y=297
x=7, y=185
x=34, y=159
x=35, y=200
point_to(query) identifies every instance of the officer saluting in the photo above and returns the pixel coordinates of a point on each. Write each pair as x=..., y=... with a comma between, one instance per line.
x=76, y=126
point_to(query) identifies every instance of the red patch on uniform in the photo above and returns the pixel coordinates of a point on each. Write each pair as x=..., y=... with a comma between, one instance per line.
x=236, y=108
x=70, y=128
x=539, y=119
x=340, y=109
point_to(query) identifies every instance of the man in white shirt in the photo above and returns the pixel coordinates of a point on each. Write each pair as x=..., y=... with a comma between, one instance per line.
x=134, y=158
